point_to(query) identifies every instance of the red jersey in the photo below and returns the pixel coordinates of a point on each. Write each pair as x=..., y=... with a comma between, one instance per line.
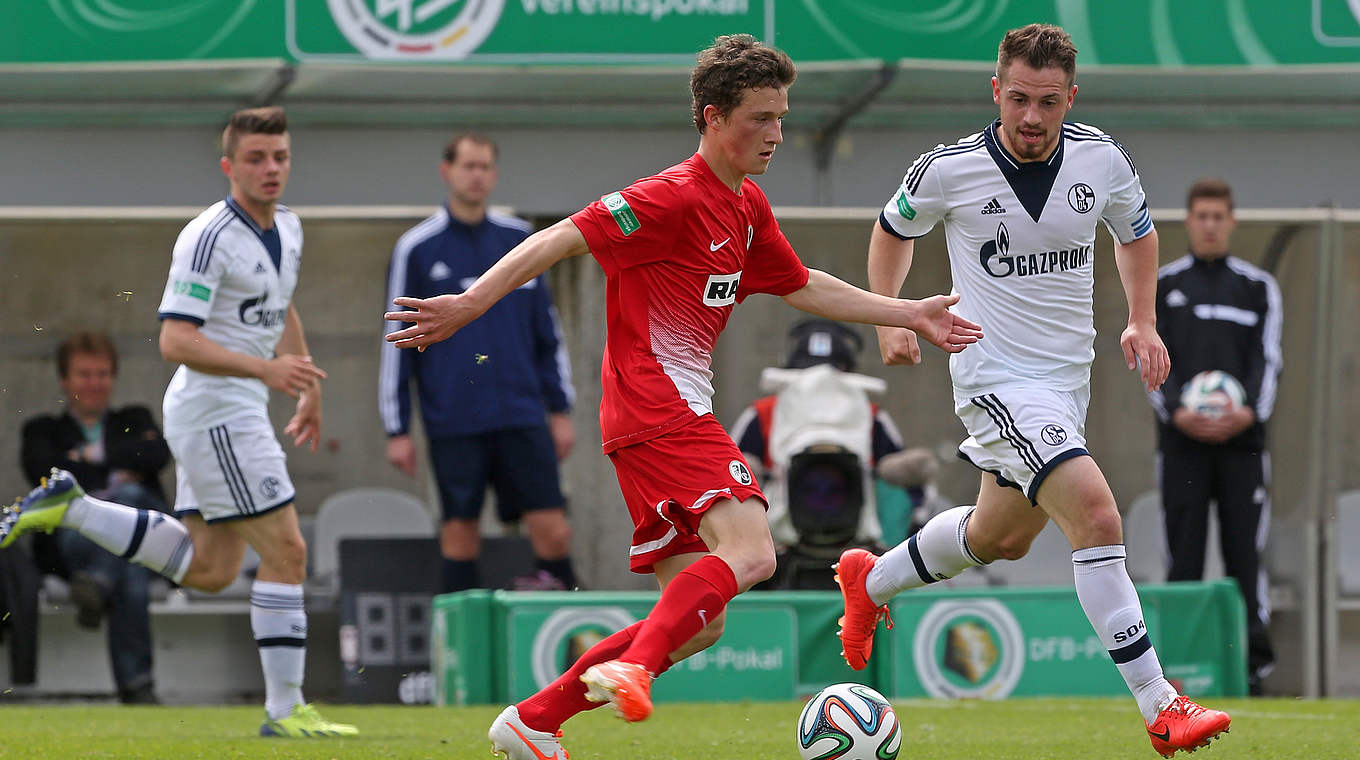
x=679, y=249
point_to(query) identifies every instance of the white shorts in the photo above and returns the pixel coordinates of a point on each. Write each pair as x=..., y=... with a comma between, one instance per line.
x=230, y=471
x=1020, y=434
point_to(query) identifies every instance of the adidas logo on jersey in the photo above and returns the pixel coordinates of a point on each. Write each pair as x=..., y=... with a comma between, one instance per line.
x=993, y=207
x=259, y=267
x=440, y=271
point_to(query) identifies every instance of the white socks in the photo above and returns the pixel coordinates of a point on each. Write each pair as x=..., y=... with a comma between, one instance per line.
x=1111, y=604
x=937, y=552
x=152, y=539
x=279, y=622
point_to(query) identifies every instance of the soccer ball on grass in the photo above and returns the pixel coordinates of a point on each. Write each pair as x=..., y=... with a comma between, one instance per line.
x=848, y=721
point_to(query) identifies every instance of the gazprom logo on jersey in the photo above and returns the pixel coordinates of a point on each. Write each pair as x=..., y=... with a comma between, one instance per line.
x=721, y=289
x=253, y=312
x=998, y=261
x=416, y=29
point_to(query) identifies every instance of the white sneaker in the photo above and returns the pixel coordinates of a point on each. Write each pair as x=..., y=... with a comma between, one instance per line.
x=513, y=740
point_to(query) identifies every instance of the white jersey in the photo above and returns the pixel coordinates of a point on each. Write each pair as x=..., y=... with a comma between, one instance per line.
x=235, y=281
x=1020, y=238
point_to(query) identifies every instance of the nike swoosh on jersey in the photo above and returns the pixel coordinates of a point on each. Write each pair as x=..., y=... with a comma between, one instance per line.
x=715, y=246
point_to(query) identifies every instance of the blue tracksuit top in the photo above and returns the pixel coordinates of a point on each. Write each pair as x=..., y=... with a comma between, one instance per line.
x=506, y=369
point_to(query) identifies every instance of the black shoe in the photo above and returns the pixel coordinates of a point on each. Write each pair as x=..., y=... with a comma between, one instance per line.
x=90, y=598
x=142, y=695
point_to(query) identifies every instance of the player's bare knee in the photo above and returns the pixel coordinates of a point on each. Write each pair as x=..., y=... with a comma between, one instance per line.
x=754, y=568
x=209, y=579
x=1105, y=528
x=1011, y=546
x=285, y=559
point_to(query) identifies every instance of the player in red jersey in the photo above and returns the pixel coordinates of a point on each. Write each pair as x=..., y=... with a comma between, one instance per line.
x=679, y=250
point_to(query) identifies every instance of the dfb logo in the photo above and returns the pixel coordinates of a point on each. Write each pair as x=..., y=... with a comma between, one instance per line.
x=721, y=289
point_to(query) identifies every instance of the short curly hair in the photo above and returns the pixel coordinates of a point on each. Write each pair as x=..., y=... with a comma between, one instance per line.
x=733, y=64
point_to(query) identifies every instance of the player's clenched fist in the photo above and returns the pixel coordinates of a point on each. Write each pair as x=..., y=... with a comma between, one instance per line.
x=898, y=345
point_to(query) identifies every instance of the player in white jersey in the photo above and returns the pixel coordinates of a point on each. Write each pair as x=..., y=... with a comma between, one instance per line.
x=227, y=318
x=1019, y=202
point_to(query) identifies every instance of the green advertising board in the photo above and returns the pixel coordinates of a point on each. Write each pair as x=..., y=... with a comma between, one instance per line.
x=1158, y=33
x=498, y=647
x=756, y=658
x=997, y=643
x=976, y=644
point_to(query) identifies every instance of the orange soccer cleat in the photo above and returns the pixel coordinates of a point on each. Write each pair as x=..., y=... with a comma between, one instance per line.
x=625, y=685
x=861, y=614
x=1185, y=725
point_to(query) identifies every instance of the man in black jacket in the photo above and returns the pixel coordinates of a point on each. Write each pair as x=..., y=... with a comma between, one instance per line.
x=1217, y=312
x=118, y=453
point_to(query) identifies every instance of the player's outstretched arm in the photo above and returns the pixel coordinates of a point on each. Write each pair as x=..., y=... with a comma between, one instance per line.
x=435, y=319
x=829, y=297
x=1143, y=347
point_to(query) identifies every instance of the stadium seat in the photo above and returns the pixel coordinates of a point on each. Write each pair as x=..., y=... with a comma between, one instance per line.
x=1348, y=538
x=363, y=513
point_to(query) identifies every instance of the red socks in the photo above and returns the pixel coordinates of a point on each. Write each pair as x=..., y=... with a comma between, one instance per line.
x=549, y=708
x=696, y=596
x=693, y=599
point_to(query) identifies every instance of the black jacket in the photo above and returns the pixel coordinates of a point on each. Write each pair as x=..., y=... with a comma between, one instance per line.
x=1223, y=314
x=132, y=441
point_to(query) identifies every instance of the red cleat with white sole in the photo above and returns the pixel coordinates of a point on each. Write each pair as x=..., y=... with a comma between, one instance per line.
x=861, y=614
x=1185, y=725
x=625, y=685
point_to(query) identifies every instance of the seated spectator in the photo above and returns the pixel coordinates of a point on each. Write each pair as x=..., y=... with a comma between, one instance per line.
x=117, y=454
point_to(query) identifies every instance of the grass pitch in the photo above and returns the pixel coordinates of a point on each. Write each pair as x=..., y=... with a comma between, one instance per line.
x=1022, y=729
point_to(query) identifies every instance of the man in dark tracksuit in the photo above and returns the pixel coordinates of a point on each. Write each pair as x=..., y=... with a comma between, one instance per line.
x=1217, y=312
x=495, y=399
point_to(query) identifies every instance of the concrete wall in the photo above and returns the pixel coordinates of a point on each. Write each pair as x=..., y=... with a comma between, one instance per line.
x=554, y=171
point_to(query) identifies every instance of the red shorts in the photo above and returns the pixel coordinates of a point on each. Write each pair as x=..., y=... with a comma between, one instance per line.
x=668, y=483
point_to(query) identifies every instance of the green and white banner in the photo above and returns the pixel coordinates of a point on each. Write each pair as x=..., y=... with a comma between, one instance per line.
x=489, y=647
x=1158, y=33
x=1038, y=644
x=756, y=658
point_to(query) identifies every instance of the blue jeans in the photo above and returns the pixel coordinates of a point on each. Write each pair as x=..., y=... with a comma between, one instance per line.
x=129, y=622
